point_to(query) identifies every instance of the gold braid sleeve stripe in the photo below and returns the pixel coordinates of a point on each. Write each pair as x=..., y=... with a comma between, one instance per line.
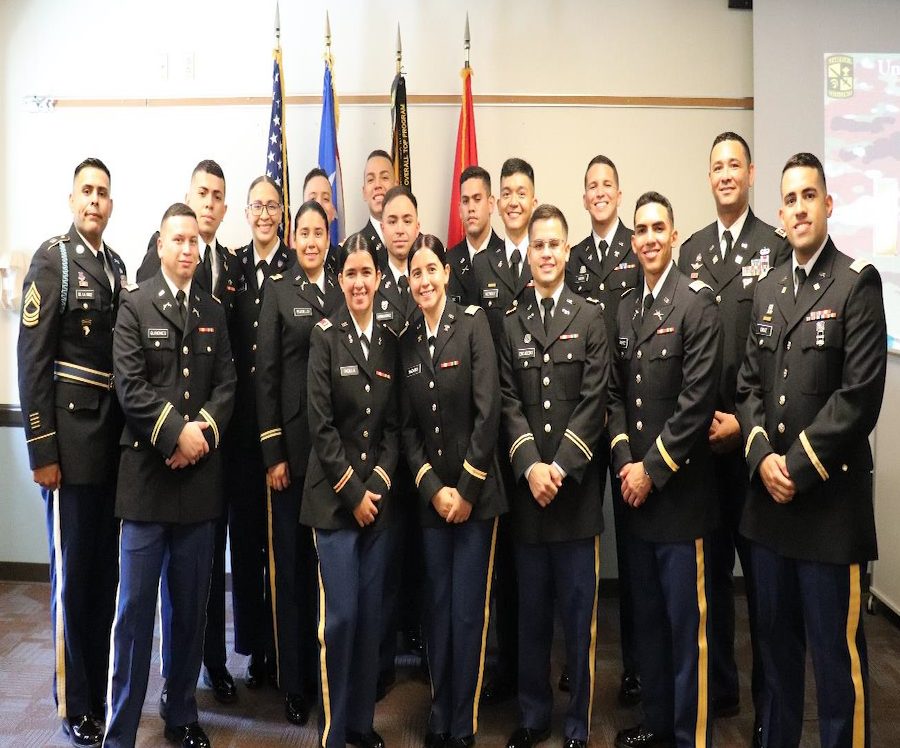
x=754, y=432
x=382, y=473
x=212, y=424
x=813, y=457
x=580, y=443
x=473, y=471
x=519, y=442
x=673, y=466
x=159, y=422
x=343, y=481
x=421, y=474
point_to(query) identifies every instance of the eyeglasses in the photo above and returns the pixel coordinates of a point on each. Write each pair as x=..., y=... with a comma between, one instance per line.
x=552, y=245
x=270, y=208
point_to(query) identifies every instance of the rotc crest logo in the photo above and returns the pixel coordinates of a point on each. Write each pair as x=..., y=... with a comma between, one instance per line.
x=839, y=74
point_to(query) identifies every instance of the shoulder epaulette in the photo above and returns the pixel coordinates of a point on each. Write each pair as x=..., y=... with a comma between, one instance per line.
x=324, y=324
x=51, y=243
x=472, y=309
x=134, y=287
x=698, y=286
x=781, y=232
x=859, y=264
x=276, y=277
x=591, y=300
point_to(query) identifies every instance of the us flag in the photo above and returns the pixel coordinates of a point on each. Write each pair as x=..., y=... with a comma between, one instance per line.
x=276, y=156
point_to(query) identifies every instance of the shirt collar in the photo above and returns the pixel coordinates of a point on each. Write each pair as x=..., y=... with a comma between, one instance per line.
x=555, y=296
x=368, y=331
x=396, y=273
x=257, y=258
x=659, y=283
x=433, y=333
x=509, y=246
x=173, y=287
x=376, y=224
x=736, y=228
x=473, y=251
x=88, y=244
x=609, y=235
x=809, y=265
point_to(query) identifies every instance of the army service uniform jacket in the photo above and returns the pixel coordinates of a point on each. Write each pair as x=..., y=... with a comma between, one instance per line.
x=451, y=411
x=463, y=288
x=65, y=360
x=290, y=309
x=166, y=376
x=374, y=240
x=665, y=377
x=497, y=289
x=394, y=307
x=733, y=281
x=353, y=422
x=811, y=389
x=604, y=278
x=554, y=390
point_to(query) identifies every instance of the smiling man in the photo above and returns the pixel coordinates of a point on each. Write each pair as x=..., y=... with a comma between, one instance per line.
x=665, y=372
x=378, y=178
x=554, y=368
x=808, y=395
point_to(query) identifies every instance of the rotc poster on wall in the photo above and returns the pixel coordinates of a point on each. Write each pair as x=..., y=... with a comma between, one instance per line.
x=862, y=165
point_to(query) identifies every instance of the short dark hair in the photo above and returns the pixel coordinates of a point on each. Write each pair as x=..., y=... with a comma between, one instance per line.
x=427, y=241
x=601, y=159
x=516, y=166
x=208, y=166
x=547, y=212
x=475, y=172
x=311, y=205
x=655, y=197
x=177, y=209
x=356, y=243
x=809, y=161
x=379, y=153
x=728, y=135
x=312, y=174
x=91, y=163
x=398, y=191
x=267, y=180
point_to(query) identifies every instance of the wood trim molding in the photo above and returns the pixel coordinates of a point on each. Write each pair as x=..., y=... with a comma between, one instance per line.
x=525, y=100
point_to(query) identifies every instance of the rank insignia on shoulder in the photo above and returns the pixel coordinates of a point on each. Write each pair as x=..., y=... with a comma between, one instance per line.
x=859, y=264
x=781, y=232
x=698, y=285
x=132, y=287
x=56, y=240
x=323, y=324
x=472, y=309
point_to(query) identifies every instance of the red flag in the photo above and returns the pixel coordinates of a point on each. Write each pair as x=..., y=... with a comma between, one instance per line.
x=466, y=156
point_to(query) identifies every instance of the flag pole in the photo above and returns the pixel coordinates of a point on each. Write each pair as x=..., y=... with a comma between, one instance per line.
x=277, y=26
x=399, y=51
x=327, y=34
x=467, y=40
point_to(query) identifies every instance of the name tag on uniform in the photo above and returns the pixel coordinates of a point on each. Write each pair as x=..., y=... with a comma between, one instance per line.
x=349, y=371
x=84, y=293
x=582, y=278
x=526, y=352
x=384, y=316
x=303, y=311
x=490, y=293
x=156, y=332
x=413, y=370
x=765, y=330
x=456, y=298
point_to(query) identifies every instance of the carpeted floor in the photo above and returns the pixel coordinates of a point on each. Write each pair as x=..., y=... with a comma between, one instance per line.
x=27, y=713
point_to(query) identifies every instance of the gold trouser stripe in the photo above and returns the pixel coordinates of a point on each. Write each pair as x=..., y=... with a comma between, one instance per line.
x=271, y=542
x=323, y=664
x=519, y=442
x=269, y=434
x=579, y=442
x=421, y=474
x=212, y=424
x=112, y=636
x=343, y=481
x=159, y=422
x=754, y=432
x=673, y=466
x=813, y=457
x=474, y=471
x=383, y=475
x=702, y=649
x=163, y=634
x=592, y=652
x=484, y=628
x=60, y=637
x=859, y=700
x=38, y=438
x=618, y=438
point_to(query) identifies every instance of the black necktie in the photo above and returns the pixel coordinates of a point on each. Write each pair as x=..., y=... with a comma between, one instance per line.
x=206, y=272
x=800, y=275
x=264, y=266
x=403, y=285
x=107, y=271
x=648, y=302
x=364, y=341
x=431, y=341
x=548, y=313
x=729, y=243
x=602, y=249
x=515, y=260
x=179, y=301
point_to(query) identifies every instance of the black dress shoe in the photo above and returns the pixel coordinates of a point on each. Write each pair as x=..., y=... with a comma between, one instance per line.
x=370, y=739
x=83, y=730
x=564, y=680
x=641, y=737
x=575, y=743
x=630, y=690
x=256, y=673
x=295, y=709
x=164, y=702
x=436, y=739
x=222, y=685
x=413, y=640
x=189, y=736
x=496, y=691
x=467, y=742
x=725, y=706
x=525, y=737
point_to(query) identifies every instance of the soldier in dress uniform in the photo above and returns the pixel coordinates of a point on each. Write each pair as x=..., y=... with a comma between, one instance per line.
x=354, y=424
x=378, y=178
x=215, y=273
x=316, y=186
x=603, y=266
x=808, y=395
x=476, y=205
x=730, y=255
x=451, y=424
x=665, y=375
x=503, y=278
x=264, y=256
x=293, y=304
x=554, y=369
x=175, y=381
x=70, y=297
